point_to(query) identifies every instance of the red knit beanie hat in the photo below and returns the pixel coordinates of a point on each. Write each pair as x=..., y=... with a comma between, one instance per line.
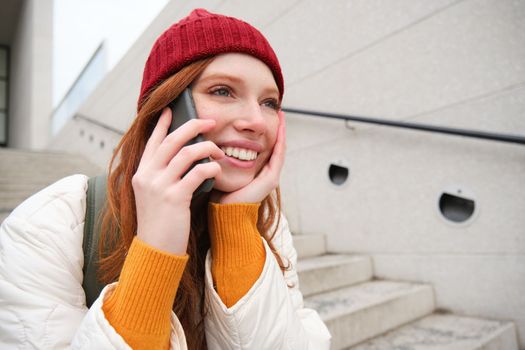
x=203, y=34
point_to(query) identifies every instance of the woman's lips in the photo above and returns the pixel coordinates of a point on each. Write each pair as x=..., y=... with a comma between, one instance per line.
x=251, y=145
x=240, y=144
x=237, y=163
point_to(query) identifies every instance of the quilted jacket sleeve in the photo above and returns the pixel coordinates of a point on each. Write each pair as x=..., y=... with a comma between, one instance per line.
x=42, y=303
x=271, y=315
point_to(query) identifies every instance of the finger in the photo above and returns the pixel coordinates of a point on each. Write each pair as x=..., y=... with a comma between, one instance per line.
x=196, y=176
x=158, y=134
x=282, y=134
x=277, y=159
x=174, y=142
x=269, y=175
x=189, y=155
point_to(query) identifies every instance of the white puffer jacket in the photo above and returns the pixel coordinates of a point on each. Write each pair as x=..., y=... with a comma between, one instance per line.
x=42, y=303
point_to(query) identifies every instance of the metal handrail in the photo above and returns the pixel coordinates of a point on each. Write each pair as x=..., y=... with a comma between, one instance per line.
x=429, y=128
x=422, y=127
x=97, y=123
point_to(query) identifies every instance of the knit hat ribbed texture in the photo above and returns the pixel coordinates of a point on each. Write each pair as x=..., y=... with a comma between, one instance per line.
x=203, y=34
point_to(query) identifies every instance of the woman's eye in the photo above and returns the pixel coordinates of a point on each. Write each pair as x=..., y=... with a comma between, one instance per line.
x=221, y=91
x=271, y=103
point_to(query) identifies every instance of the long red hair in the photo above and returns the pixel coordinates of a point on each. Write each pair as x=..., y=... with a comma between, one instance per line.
x=119, y=223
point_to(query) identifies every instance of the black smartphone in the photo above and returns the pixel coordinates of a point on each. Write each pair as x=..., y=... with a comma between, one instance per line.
x=183, y=110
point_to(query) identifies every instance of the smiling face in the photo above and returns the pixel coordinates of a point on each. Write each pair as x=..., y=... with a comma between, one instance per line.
x=239, y=92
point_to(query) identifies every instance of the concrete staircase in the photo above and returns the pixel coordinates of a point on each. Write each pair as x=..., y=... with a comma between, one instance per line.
x=363, y=313
x=23, y=173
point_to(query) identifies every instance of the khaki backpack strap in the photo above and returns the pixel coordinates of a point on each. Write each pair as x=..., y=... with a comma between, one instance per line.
x=96, y=200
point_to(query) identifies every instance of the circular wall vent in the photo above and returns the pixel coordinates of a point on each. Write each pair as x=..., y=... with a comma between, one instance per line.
x=338, y=173
x=457, y=206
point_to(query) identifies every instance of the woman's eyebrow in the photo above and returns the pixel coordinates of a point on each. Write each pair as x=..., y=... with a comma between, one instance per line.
x=223, y=76
x=271, y=91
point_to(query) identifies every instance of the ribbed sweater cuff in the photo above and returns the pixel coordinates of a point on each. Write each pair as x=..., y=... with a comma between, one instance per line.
x=143, y=299
x=235, y=240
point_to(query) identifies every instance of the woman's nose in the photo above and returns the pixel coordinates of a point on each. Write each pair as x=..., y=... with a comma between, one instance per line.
x=251, y=119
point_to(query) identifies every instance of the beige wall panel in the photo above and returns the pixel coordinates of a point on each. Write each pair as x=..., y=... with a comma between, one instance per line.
x=397, y=176
x=92, y=141
x=500, y=112
x=469, y=50
x=260, y=14
x=390, y=203
x=314, y=35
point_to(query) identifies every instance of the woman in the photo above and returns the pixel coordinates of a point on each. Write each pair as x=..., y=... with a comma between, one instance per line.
x=214, y=271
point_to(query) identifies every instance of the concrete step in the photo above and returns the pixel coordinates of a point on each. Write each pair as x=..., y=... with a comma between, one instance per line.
x=332, y=271
x=3, y=215
x=29, y=165
x=38, y=178
x=309, y=245
x=14, y=160
x=41, y=158
x=15, y=153
x=9, y=203
x=42, y=163
x=23, y=173
x=357, y=313
x=447, y=332
x=21, y=187
x=36, y=172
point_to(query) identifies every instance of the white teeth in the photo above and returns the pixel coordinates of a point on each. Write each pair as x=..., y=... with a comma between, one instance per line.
x=240, y=153
x=243, y=154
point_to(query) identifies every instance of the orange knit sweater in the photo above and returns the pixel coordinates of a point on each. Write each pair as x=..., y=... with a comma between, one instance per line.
x=140, y=306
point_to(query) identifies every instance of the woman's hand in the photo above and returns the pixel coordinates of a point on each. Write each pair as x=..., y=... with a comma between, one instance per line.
x=268, y=178
x=162, y=194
